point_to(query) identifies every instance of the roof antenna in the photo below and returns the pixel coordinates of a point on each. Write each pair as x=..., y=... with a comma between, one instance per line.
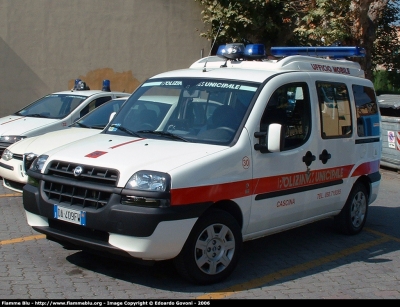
x=215, y=39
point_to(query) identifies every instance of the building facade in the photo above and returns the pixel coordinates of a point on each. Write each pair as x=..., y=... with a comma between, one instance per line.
x=46, y=44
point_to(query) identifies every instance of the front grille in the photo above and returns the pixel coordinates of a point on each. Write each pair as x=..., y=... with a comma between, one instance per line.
x=27, y=163
x=75, y=192
x=17, y=157
x=62, y=193
x=90, y=174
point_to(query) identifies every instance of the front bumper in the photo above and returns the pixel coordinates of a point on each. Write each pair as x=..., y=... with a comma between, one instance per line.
x=139, y=232
x=13, y=174
x=165, y=243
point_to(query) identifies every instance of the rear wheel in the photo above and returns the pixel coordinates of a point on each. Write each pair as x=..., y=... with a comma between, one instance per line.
x=212, y=249
x=353, y=216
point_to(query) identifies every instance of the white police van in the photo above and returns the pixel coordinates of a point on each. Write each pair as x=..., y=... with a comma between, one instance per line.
x=199, y=160
x=52, y=112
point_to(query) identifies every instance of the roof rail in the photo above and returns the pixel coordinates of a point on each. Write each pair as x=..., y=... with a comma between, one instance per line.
x=253, y=56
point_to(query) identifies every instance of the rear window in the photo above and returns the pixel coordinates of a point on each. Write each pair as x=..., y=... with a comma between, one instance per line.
x=366, y=110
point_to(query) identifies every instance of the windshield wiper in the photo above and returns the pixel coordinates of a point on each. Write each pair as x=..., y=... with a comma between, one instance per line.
x=166, y=134
x=36, y=115
x=100, y=127
x=125, y=130
x=80, y=125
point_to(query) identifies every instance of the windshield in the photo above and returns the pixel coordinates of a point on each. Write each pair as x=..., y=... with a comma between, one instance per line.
x=99, y=117
x=55, y=106
x=187, y=109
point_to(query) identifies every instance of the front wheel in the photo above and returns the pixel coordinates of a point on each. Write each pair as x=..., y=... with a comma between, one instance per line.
x=212, y=249
x=353, y=216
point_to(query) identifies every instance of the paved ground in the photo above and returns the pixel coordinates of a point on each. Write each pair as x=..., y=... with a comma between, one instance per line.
x=311, y=262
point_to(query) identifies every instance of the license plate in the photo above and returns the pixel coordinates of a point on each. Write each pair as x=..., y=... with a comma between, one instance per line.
x=70, y=215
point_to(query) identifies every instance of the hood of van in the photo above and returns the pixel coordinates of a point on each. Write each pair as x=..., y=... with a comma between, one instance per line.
x=129, y=154
x=51, y=140
x=20, y=125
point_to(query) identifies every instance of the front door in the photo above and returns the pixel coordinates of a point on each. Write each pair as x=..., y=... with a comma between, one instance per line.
x=281, y=178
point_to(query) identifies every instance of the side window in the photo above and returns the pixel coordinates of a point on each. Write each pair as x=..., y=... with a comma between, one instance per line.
x=94, y=104
x=367, y=111
x=334, y=102
x=99, y=101
x=75, y=102
x=289, y=106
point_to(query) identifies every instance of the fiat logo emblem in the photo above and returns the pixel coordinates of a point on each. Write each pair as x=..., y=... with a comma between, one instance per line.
x=78, y=171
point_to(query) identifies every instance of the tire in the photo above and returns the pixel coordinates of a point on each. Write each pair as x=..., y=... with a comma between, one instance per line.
x=353, y=216
x=212, y=249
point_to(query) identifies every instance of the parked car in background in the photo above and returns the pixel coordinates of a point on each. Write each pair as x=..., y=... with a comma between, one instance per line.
x=53, y=112
x=17, y=158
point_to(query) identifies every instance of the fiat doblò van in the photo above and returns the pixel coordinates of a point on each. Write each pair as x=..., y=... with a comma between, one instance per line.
x=199, y=160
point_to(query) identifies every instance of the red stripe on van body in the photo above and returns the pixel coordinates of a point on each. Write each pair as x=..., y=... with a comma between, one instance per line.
x=11, y=121
x=122, y=144
x=212, y=193
x=232, y=190
x=367, y=168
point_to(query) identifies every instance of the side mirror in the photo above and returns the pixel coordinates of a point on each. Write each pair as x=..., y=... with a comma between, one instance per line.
x=276, y=137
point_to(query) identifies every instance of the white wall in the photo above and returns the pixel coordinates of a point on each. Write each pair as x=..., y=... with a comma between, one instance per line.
x=46, y=44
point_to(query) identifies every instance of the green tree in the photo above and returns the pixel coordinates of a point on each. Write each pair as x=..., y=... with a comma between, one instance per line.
x=386, y=46
x=386, y=51
x=351, y=22
x=256, y=21
x=381, y=82
x=314, y=22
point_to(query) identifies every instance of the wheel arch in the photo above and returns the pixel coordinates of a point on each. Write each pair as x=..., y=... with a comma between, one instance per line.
x=365, y=180
x=231, y=207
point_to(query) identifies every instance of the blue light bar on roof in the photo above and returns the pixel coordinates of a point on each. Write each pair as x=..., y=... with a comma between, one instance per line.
x=334, y=52
x=76, y=83
x=231, y=51
x=239, y=51
x=255, y=51
x=106, y=86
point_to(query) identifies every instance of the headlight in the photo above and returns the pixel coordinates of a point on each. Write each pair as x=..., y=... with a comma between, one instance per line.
x=38, y=163
x=154, y=190
x=30, y=156
x=148, y=181
x=11, y=138
x=7, y=155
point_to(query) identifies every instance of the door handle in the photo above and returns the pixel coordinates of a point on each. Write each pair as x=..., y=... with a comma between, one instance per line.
x=308, y=158
x=324, y=156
